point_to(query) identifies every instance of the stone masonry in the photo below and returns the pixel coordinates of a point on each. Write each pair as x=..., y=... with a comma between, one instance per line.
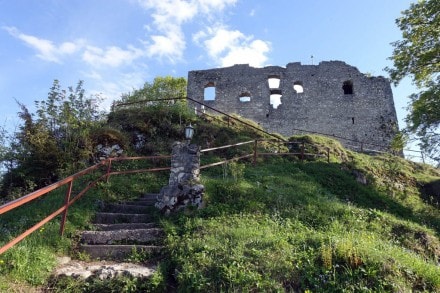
x=331, y=98
x=184, y=188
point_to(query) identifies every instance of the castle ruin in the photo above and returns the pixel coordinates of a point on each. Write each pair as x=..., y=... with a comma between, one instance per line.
x=331, y=98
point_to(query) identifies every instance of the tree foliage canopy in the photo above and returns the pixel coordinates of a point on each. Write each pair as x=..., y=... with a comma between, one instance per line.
x=53, y=142
x=166, y=87
x=418, y=55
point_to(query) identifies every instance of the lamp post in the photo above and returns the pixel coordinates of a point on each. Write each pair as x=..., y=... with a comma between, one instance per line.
x=189, y=132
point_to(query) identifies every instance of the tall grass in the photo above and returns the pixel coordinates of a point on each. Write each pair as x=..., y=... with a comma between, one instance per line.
x=292, y=226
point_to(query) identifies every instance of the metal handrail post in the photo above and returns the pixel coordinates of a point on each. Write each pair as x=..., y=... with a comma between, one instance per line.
x=255, y=152
x=66, y=207
x=109, y=166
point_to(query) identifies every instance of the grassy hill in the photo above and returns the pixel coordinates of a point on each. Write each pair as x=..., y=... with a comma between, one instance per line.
x=359, y=223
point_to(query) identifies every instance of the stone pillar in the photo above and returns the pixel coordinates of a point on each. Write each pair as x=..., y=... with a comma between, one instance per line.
x=184, y=188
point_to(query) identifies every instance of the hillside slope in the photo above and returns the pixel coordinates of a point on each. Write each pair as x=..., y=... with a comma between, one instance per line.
x=359, y=223
x=356, y=223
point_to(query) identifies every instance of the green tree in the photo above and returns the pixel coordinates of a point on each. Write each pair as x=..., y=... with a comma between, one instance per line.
x=417, y=55
x=162, y=88
x=54, y=142
x=70, y=116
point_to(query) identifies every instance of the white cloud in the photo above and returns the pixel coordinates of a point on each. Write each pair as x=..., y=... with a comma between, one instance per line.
x=46, y=49
x=111, y=56
x=222, y=40
x=207, y=6
x=168, y=18
x=170, y=46
x=229, y=47
x=170, y=11
x=254, y=54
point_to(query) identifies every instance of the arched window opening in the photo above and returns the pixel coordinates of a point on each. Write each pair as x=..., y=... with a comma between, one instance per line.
x=275, y=98
x=274, y=81
x=209, y=93
x=347, y=86
x=298, y=87
x=245, y=97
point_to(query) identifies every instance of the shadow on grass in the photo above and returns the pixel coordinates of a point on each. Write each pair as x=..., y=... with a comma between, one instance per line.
x=342, y=184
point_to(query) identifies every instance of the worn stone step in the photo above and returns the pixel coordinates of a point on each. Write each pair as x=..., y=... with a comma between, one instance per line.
x=125, y=236
x=142, y=202
x=127, y=226
x=115, y=218
x=149, y=196
x=118, y=251
x=124, y=208
x=141, y=199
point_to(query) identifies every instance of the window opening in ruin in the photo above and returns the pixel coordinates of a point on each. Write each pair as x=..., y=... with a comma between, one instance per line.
x=245, y=97
x=298, y=87
x=274, y=81
x=209, y=93
x=352, y=120
x=275, y=98
x=347, y=86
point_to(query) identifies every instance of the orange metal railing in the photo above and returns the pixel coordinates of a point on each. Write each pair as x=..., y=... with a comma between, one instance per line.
x=68, y=201
x=106, y=169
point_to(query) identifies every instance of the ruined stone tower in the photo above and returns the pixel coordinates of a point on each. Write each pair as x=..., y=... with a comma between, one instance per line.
x=331, y=98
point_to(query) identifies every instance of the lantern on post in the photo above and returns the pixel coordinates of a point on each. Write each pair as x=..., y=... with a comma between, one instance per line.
x=189, y=132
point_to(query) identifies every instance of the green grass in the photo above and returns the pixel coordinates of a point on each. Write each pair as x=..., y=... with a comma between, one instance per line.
x=295, y=226
x=283, y=225
x=32, y=261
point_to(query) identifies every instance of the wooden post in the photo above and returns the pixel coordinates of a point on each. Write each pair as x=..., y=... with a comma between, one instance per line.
x=423, y=157
x=66, y=206
x=328, y=155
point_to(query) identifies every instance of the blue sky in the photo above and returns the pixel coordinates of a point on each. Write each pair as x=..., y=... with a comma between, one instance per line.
x=117, y=45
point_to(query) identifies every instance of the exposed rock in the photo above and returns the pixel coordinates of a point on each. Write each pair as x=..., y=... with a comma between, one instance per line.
x=103, y=270
x=360, y=177
x=183, y=186
x=104, y=152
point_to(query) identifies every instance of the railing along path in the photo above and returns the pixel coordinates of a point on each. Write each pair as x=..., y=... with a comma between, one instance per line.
x=68, y=201
x=107, y=165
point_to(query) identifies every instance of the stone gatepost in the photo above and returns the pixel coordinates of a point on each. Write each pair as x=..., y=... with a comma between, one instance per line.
x=184, y=188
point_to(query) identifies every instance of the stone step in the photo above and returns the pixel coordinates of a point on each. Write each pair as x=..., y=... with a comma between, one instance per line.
x=116, y=218
x=124, y=208
x=127, y=226
x=125, y=236
x=142, y=199
x=149, y=196
x=142, y=202
x=118, y=251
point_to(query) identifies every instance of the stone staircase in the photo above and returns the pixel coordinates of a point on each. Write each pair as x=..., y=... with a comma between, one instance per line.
x=122, y=229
